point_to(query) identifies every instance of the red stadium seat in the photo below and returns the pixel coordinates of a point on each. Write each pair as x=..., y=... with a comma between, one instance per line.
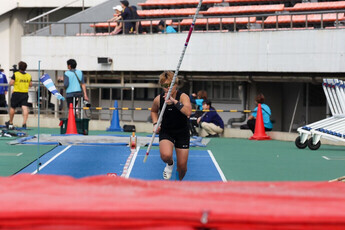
x=334, y=27
x=275, y=29
x=318, y=6
x=103, y=24
x=216, y=21
x=243, y=9
x=166, y=12
x=252, y=1
x=316, y=18
x=154, y=23
x=176, y=2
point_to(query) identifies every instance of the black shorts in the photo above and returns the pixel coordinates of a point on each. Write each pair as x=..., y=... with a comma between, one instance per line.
x=180, y=138
x=2, y=100
x=19, y=99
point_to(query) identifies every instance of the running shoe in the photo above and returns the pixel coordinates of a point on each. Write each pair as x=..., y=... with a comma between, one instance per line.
x=168, y=171
x=8, y=125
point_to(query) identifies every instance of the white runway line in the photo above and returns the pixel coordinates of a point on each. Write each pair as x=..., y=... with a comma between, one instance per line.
x=129, y=164
x=10, y=154
x=335, y=158
x=217, y=166
x=51, y=159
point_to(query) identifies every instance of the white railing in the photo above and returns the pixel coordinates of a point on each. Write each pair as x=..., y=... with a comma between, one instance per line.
x=53, y=10
x=78, y=28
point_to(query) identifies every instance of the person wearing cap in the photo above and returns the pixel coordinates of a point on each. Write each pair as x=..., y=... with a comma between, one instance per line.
x=210, y=122
x=118, y=10
x=168, y=29
x=118, y=28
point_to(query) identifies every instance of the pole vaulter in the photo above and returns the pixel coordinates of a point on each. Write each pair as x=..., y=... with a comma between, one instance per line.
x=173, y=80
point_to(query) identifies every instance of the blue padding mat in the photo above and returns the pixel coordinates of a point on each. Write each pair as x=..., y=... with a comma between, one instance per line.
x=82, y=161
x=200, y=167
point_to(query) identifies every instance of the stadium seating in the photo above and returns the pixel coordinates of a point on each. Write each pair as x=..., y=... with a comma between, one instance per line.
x=217, y=21
x=154, y=23
x=236, y=2
x=276, y=29
x=334, y=27
x=104, y=24
x=166, y=12
x=318, y=6
x=311, y=18
x=258, y=15
x=243, y=9
x=175, y=3
x=92, y=34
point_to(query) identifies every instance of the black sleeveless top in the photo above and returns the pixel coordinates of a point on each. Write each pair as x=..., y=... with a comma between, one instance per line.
x=173, y=119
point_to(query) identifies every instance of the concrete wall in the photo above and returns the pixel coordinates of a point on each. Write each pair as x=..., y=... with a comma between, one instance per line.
x=8, y=5
x=13, y=14
x=311, y=51
x=5, y=42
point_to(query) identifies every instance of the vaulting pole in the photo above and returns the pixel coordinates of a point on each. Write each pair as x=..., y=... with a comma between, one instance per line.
x=173, y=80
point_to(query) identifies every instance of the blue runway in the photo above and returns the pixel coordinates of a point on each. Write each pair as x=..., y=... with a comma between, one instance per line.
x=201, y=167
x=82, y=160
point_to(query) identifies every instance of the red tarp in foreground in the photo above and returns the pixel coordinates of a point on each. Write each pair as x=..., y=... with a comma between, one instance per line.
x=60, y=202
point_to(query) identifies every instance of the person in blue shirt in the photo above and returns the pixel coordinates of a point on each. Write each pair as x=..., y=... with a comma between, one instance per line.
x=168, y=29
x=266, y=114
x=74, y=83
x=3, y=90
x=210, y=122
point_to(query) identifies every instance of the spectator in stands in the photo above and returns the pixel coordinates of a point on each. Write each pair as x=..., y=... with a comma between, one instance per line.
x=3, y=91
x=168, y=29
x=118, y=28
x=21, y=81
x=137, y=25
x=173, y=130
x=196, y=99
x=74, y=83
x=126, y=15
x=266, y=115
x=210, y=122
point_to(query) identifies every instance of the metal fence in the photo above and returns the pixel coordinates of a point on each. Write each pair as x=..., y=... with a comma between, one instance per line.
x=80, y=28
x=60, y=109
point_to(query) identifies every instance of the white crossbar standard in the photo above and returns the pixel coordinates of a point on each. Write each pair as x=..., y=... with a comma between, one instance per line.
x=332, y=128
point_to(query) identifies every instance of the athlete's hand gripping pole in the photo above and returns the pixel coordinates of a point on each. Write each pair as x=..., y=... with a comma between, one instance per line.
x=173, y=80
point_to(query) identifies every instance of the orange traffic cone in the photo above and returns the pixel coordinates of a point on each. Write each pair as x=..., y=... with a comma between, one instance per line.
x=71, y=125
x=259, y=133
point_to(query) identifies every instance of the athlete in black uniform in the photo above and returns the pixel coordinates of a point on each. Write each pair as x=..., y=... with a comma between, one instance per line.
x=174, y=129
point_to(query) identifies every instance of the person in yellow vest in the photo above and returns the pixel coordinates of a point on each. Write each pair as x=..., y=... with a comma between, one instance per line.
x=21, y=81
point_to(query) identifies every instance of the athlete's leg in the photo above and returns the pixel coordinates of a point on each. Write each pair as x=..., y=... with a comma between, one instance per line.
x=182, y=158
x=25, y=113
x=166, y=150
x=12, y=111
